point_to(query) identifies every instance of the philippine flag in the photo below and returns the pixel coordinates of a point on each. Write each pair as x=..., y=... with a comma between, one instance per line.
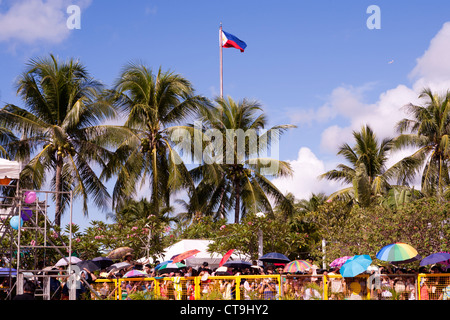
x=230, y=41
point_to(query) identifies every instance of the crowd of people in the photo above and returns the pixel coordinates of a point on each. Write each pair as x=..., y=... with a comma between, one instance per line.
x=391, y=282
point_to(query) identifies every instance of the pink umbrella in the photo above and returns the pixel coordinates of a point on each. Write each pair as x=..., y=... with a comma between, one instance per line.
x=339, y=261
x=225, y=257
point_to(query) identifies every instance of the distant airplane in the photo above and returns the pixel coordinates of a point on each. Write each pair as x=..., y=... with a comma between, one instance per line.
x=390, y=62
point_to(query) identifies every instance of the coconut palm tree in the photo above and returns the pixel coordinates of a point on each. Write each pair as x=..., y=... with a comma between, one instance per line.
x=367, y=170
x=234, y=171
x=134, y=210
x=7, y=140
x=155, y=105
x=311, y=204
x=429, y=131
x=60, y=123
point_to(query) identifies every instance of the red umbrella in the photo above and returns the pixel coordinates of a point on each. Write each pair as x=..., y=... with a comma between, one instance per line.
x=184, y=255
x=225, y=257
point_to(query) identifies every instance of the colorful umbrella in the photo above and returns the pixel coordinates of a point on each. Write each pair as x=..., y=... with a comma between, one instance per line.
x=274, y=257
x=435, y=258
x=339, y=261
x=355, y=265
x=398, y=252
x=297, y=266
x=226, y=257
x=134, y=274
x=162, y=263
x=171, y=267
x=184, y=255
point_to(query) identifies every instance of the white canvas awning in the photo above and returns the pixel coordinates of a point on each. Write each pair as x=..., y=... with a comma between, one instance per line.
x=204, y=255
x=9, y=169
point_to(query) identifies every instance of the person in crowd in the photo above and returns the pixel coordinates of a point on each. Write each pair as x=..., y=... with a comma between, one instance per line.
x=28, y=292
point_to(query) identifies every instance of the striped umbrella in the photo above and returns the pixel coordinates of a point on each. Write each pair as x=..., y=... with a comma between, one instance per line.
x=134, y=274
x=297, y=266
x=398, y=252
x=171, y=267
x=339, y=261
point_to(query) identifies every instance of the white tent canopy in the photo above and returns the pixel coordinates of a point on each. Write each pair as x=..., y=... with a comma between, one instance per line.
x=204, y=255
x=9, y=169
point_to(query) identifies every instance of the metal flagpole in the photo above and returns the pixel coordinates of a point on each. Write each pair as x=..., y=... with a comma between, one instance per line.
x=221, y=61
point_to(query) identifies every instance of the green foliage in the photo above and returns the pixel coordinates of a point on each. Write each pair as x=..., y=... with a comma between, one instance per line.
x=356, y=230
x=243, y=237
x=202, y=227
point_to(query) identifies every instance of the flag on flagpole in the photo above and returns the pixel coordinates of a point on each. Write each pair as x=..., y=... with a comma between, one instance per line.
x=231, y=41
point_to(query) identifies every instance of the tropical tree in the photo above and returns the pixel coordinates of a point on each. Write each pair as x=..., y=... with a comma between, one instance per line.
x=60, y=124
x=367, y=170
x=155, y=104
x=235, y=167
x=311, y=204
x=429, y=131
x=7, y=139
x=133, y=210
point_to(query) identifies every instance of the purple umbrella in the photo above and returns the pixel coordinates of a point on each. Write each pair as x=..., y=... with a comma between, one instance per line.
x=435, y=258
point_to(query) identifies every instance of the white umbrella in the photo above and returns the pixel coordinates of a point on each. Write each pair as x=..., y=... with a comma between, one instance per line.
x=64, y=261
x=118, y=266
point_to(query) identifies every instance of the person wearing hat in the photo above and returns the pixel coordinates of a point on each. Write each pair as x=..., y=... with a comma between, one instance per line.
x=128, y=257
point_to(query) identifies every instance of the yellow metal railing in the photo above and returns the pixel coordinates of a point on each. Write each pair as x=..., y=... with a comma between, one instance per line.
x=287, y=287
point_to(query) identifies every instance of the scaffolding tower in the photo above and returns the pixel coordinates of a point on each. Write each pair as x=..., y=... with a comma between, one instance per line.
x=41, y=229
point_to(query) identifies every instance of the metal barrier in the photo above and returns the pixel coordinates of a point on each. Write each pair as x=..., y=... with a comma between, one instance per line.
x=304, y=287
x=279, y=287
x=435, y=286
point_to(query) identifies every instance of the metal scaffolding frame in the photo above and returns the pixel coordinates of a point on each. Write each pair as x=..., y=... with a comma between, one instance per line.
x=41, y=225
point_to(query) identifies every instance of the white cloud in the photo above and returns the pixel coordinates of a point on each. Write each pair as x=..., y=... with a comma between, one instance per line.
x=434, y=65
x=33, y=21
x=432, y=70
x=382, y=116
x=307, y=168
x=347, y=102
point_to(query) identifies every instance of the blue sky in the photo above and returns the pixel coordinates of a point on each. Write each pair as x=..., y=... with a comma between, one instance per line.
x=315, y=64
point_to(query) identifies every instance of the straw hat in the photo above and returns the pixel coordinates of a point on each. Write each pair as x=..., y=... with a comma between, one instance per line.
x=128, y=254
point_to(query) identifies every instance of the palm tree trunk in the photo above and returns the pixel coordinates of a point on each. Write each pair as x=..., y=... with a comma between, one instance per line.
x=237, y=205
x=58, y=187
x=155, y=200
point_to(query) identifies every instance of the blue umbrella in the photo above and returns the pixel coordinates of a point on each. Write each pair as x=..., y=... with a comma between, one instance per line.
x=274, y=257
x=435, y=258
x=237, y=264
x=355, y=265
x=7, y=271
